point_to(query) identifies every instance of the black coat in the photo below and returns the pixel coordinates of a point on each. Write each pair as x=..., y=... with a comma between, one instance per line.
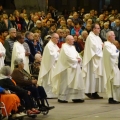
x=9, y=85
x=32, y=50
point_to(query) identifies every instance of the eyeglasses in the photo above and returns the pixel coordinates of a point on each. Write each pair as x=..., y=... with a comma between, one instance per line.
x=56, y=37
x=13, y=32
x=97, y=28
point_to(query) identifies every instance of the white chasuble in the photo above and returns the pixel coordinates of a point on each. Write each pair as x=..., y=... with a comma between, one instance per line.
x=110, y=56
x=49, y=59
x=93, y=69
x=67, y=79
x=2, y=52
x=19, y=52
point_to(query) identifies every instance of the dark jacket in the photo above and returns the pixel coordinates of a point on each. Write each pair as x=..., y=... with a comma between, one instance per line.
x=8, y=84
x=32, y=50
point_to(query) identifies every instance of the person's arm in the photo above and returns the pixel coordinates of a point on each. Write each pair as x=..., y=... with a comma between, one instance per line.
x=2, y=90
x=19, y=78
x=10, y=85
x=7, y=47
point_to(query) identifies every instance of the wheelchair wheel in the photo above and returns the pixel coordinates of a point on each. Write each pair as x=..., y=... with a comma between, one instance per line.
x=45, y=112
x=20, y=118
x=33, y=116
x=0, y=116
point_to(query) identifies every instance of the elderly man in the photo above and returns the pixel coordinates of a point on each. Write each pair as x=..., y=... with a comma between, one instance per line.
x=19, y=52
x=49, y=59
x=110, y=57
x=8, y=44
x=61, y=39
x=82, y=39
x=104, y=31
x=67, y=79
x=93, y=70
x=39, y=27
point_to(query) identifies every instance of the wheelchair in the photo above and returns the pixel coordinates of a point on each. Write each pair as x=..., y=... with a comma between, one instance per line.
x=38, y=105
x=9, y=117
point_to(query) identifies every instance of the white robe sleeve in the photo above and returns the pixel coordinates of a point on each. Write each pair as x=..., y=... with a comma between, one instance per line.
x=53, y=53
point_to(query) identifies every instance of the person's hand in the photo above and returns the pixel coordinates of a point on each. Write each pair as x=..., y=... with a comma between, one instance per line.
x=59, y=50
x=27, y=54
x=79, y=60
x=29, y=92
x=7, y=92
x=1, y=55
x=37, y=85
x=38, y=52
x=102, y=45
x=34, y=81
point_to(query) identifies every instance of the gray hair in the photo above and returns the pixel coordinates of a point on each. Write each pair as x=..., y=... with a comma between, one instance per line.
x=84, y=32
x=11, y=30
x=27, y=33
x=6, y=70
x=106, y=23
x=18, y=61
x=109, y=33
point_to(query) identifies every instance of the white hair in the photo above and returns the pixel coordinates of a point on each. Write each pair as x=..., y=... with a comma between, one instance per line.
x=11, y=30
x=5, y=70
x=109, y=34
x=83, y=32
x=18, y=61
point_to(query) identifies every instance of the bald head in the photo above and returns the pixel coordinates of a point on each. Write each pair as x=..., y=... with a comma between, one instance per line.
x=70, y=40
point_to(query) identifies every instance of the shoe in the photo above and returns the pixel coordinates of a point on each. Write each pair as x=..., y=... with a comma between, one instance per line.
x=96, y=96
x=62, y=101
x=22, y=113
x=112, y=101
x=17, y=115
x=30, y=113
x=89, y=95
x=50, y=107
x=77, y=100
x=36, y=111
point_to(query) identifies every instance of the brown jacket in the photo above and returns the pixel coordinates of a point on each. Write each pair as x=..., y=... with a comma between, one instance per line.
x=20, y=78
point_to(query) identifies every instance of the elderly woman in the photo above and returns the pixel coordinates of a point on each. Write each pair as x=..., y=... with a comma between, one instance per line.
x=24, y=80
x=8, y=83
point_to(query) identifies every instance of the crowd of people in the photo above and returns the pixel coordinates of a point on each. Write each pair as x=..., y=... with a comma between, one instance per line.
x=66, y=56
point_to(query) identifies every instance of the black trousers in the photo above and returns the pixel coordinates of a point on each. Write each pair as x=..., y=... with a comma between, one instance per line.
x=26, y=100
x=37, y=92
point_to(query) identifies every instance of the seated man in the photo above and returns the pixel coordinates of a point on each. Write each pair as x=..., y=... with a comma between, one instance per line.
x=6, y=82
x=24, y=80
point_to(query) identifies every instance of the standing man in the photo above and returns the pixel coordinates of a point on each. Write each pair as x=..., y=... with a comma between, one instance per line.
x=67, y=77
x=8, y=44
x=19, y=52
x=49, y=59
x=110, y=57
x=92, y=68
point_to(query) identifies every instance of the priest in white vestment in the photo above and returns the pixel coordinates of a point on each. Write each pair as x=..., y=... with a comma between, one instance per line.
x=67, y=79
x=110, y=57
x=49, y=59
x=2, y=55
x=19, y=52
x=93, y=70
